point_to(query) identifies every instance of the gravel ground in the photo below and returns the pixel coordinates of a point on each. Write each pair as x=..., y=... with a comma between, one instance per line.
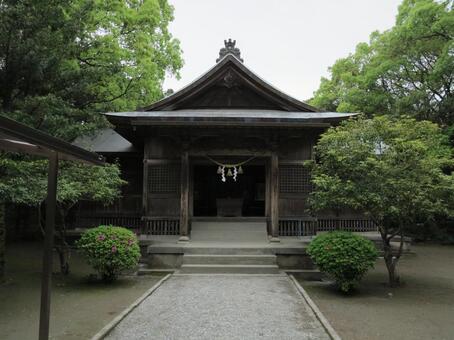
x=222, y=307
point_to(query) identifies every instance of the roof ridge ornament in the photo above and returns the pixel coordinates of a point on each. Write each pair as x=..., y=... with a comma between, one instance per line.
x=229, y=49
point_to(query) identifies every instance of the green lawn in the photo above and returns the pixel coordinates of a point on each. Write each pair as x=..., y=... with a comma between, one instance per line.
x=423, y=308
x=79, y=308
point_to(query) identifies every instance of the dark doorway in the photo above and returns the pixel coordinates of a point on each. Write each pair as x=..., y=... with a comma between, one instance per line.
x=245, y=197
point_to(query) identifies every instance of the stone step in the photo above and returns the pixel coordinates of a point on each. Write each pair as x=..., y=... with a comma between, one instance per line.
x=229, y=259
x=228, y=269
x=228, y=250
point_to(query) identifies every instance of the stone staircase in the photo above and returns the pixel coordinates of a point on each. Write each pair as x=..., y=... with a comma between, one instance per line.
x=225, y=248
x=229, y=263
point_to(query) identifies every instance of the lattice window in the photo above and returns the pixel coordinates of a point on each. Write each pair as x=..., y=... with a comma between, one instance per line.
x=294, y=179
x=164, y=178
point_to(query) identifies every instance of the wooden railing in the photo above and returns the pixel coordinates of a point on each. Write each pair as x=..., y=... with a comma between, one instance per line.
x=303, y=226
x=160, y=226
x=127, y=221
x=354, y=225
x=165, y=225
x=297, y=227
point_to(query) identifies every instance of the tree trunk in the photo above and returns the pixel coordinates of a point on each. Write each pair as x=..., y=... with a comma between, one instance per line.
x=390, y=258
x=2, y=240
x=62, y=246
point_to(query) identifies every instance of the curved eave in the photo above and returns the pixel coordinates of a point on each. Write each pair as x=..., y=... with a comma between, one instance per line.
x=226, y=118
x=288, y=103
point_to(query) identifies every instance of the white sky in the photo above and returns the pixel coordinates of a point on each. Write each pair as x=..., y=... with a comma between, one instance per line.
x=288, y=43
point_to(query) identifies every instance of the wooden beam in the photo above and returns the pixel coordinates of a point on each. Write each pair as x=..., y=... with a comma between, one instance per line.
x=10, y=145
x=155, y=161
x=26, y=138
x=230, y=152
x=274, y=197
x=184, y=198
x=184, y=122
x=51, y=202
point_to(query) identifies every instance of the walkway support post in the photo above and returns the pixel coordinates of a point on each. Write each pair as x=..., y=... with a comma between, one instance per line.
x=274, y=197
x=46, y=279
x=184, y=197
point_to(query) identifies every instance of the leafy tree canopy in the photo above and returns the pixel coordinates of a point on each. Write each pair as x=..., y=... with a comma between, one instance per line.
x=407, y=70
x=62, y=63
x=396, y=171
x=25, y=182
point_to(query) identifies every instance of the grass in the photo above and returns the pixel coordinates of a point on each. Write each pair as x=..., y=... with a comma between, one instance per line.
x=422, y=308
x=80, y=306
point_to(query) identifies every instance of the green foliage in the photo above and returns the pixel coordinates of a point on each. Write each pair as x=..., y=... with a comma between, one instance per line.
x=396, y=171
x=344, y=256
x=389, y=168
x=407, y=70
x=109, y=250
x=62, y=63
x=25, y=182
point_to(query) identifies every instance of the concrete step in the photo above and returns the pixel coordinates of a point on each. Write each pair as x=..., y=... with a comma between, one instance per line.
x=229, y=259
x=229, y=250
x=228, y=269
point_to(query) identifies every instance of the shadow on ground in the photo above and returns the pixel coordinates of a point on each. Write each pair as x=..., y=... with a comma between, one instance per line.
x=80, y=305
x=422, y=308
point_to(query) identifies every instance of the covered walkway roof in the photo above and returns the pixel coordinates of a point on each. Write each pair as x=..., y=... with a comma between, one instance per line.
x=17, y=137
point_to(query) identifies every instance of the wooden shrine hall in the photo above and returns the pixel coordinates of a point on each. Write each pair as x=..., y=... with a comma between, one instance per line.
x=227, y=147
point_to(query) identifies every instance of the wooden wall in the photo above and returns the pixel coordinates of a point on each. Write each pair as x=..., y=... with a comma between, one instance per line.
x=124, y=211
x=158, y=199
x=163, y=159
x=294, y=178
x=161, y=188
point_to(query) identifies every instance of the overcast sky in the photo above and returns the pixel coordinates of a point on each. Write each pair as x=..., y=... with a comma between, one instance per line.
x=288, y=43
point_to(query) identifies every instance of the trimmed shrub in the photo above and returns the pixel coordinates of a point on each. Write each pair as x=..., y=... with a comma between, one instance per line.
x=343, y=256
x=109, y=250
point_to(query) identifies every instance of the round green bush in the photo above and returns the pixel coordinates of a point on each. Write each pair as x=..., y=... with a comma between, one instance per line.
x=109, y=250
x=344, y=256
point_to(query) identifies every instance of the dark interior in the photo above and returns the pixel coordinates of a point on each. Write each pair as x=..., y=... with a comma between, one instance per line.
x=245, y=197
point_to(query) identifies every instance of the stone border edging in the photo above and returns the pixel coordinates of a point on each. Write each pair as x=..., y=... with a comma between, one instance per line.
x=318, y=313
x=111, y=325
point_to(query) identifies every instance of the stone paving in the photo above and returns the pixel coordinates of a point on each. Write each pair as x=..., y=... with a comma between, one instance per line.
x=222, y=307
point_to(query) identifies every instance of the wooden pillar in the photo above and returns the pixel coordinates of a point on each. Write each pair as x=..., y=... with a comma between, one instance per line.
x=267, y=195
x=274, y=197
x=51, y=202
x=184, y=200
x=2, y=240
x=145, y=188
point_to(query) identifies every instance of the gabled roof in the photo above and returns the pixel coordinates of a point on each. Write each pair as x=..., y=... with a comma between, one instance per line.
x=229, y=73
x=228, y=95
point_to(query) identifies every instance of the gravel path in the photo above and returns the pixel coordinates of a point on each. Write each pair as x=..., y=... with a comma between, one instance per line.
x=222, y=307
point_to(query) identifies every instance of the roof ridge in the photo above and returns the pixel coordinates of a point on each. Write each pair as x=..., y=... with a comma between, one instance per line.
x=280, y=98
